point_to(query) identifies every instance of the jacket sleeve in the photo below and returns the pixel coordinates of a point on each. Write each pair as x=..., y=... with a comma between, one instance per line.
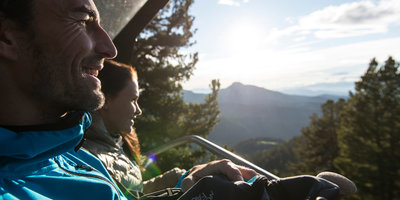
x=167, y=180
x=129, y=178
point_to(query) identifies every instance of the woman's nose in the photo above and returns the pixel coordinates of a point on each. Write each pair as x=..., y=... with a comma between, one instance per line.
x=138, y=111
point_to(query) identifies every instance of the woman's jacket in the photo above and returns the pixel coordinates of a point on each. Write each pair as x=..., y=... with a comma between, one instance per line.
x=109, y=150
x=125, y=171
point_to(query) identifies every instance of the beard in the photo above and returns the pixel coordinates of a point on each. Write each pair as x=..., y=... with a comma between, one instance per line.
x=59, y=87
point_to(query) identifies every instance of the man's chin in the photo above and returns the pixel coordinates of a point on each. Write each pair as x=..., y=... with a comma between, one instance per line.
x=98, y=103
x=91, y=102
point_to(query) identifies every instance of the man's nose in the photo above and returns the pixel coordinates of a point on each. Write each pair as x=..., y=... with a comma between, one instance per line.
x=104, y=45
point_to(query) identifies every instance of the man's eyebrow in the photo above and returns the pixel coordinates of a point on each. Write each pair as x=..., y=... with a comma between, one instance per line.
x=85, y=9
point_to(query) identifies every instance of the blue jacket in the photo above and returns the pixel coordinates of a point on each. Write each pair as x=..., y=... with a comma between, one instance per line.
x=39, y=162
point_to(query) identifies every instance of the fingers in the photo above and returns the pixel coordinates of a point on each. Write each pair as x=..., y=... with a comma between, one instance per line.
x=236, y=172
x=225, y=167
x=187, y=183
x=232, y=171
x=247, y=173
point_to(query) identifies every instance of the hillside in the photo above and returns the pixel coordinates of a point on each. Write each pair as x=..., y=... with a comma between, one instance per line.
x=249, y=112
x=253, y=145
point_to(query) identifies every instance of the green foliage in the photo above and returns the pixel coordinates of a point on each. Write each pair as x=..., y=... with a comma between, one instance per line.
x=277, y=160
x=180, y=157
x=163, y=63
x=200, y=119
x=369, y=137
x=310, y=153
x=318, y=146
x=358, y=138
x=254, y=145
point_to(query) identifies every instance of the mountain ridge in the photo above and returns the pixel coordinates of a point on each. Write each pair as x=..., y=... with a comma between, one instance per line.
x=249, y=111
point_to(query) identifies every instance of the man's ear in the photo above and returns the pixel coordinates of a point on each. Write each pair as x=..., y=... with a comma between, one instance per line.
x=8, y=39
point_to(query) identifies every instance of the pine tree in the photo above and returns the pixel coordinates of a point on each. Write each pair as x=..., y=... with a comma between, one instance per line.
x=163, y=62
x=278, y=160
x=319, y=146
x=201, y=118
x=369, y=137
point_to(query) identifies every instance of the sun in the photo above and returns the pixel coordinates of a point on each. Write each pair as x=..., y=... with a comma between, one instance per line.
x=244, y=36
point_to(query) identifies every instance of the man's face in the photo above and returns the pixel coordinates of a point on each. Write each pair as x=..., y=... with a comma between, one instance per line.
x=64, y=55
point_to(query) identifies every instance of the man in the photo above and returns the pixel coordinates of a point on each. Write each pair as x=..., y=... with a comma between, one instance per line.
x=50, y=54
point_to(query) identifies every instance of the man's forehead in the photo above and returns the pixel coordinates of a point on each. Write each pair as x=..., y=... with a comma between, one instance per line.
x=70, y=5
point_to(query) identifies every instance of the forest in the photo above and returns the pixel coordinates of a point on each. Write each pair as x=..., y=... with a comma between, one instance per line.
x=358, y=137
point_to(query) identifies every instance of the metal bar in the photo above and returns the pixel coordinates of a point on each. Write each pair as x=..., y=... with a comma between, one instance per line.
x=213, y=148
x=124, y=41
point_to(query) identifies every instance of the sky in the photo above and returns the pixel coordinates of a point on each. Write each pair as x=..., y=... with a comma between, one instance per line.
x=292, y=46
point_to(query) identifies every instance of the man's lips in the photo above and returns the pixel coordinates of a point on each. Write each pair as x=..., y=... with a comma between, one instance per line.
x=91, y=71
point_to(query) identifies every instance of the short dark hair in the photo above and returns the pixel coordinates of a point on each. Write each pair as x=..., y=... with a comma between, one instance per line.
x=19, y=10
x=115, y=76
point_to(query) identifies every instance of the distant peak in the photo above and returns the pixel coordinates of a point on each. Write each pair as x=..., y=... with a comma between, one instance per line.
x=235, y=84
x=238, y=85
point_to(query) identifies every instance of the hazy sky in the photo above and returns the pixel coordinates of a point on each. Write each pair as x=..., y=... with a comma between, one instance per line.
x=284, y=44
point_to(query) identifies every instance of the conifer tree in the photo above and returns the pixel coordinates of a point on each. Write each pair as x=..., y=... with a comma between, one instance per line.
x=163, y=60
x=369, y=136
x=319, y=145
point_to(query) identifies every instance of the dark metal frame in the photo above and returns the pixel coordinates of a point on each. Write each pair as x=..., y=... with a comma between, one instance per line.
x=213, y=148
x=125, y=39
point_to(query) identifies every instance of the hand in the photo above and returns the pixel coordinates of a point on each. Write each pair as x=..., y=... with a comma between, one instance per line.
x=225, y=167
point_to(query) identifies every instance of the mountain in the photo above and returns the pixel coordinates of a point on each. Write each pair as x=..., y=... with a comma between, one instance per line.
x=338, y=89
x=191, y=97
x=249, y=111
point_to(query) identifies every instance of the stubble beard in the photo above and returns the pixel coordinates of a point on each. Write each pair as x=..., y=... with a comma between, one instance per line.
x=58, y=92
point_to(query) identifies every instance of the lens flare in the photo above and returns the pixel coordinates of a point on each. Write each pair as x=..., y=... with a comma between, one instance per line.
x=150, y=167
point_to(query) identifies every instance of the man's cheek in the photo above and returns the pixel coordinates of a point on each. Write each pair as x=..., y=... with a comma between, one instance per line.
x=76, y=40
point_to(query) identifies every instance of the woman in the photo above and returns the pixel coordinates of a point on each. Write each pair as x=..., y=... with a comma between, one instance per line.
x=112, y=137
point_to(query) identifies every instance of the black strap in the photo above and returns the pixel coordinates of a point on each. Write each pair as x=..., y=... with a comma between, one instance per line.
x=165, y=194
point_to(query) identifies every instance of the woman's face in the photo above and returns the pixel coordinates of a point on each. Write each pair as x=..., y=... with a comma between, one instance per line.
x=120, y=111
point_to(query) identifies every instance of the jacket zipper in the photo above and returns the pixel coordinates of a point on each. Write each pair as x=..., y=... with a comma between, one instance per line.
x=90, y=175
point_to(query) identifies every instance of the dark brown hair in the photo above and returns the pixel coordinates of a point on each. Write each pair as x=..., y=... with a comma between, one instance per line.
x=19, y=10
x=114, y=78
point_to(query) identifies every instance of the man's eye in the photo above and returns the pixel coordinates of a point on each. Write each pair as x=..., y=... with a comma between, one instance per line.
x=83, y=22
x=86, y=21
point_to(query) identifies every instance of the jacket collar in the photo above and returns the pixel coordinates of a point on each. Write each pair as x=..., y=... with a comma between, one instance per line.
x=98, y=132
x=24, y=146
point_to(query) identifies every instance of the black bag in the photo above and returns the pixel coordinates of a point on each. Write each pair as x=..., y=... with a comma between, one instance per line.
x=219, y=188
x=302, y=188
x=214, y=188
x=165, y=194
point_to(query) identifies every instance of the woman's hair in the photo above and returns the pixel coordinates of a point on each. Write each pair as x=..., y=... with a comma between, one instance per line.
x=114, y=78
x=132, y=147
